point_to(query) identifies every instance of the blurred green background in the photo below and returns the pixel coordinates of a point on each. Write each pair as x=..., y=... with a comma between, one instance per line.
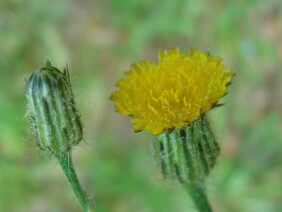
x=100, y=40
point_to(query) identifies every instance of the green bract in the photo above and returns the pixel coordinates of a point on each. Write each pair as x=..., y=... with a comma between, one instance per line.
x=55, y=121
x=187, y=154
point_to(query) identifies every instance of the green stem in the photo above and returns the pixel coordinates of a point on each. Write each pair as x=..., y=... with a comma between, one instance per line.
x=199, y=197
x=65, y=161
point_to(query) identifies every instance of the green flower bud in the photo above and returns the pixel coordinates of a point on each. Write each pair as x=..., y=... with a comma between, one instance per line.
x=55, y=121
x=187, y=154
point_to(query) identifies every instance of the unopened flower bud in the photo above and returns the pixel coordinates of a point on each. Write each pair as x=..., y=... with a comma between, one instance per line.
x=55, y=121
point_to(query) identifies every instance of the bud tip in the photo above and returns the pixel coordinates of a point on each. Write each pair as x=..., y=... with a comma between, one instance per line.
x=47, y=62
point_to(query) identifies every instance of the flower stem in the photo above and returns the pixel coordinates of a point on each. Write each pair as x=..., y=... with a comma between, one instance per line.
x=199, y=197
x=65, y=161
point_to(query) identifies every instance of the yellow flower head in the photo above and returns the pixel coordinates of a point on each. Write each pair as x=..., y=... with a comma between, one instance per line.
x=174, y=92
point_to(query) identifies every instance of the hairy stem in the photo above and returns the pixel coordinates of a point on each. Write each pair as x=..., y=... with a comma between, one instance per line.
x=199, y=197
x=65, y=161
